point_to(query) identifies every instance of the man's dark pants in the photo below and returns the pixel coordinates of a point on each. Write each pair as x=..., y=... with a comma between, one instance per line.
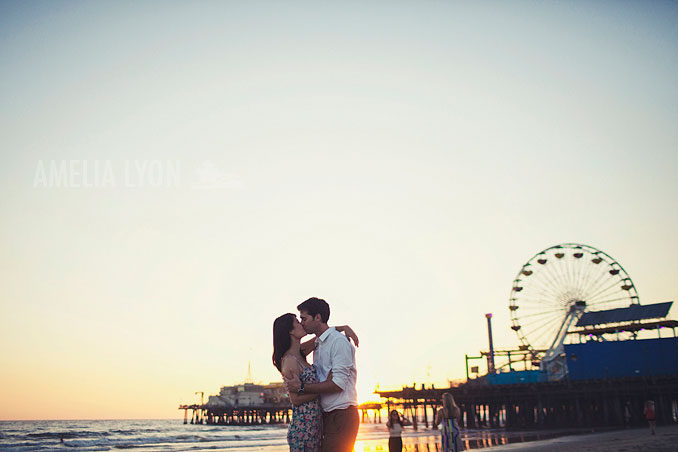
x=340, y=428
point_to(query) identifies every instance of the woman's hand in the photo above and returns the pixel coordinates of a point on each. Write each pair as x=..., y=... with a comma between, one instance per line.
x=329, y=376
x=350, y=334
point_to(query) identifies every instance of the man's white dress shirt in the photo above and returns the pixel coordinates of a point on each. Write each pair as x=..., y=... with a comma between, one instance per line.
x=334, y=352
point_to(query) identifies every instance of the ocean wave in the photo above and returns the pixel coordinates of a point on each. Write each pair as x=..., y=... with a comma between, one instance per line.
x=67, y=434
x=168, y=436
x=136, y=431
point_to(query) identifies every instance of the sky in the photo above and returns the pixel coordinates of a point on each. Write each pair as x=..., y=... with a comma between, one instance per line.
x=175, y=176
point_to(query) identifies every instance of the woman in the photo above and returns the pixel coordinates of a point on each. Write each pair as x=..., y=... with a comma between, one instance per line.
x=650, y=415
x=450, y=416
x=395, y=426
x=289, y=357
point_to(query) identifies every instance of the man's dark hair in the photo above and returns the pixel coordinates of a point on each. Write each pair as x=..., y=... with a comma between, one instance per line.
x=316, y=306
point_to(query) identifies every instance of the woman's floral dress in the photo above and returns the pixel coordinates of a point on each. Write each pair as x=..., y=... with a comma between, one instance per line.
x=306, y=428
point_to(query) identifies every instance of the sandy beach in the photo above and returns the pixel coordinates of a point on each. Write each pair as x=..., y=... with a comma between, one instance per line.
x=666, y=440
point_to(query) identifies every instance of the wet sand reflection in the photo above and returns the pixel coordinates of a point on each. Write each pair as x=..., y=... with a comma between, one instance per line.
x=429, y=441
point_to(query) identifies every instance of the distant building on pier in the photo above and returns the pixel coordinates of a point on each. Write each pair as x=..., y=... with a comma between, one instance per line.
x=248, y=395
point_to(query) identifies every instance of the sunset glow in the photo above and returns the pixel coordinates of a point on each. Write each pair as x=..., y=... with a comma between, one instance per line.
x=177, y=175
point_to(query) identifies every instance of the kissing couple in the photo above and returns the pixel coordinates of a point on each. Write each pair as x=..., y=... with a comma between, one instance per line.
x=323, y=394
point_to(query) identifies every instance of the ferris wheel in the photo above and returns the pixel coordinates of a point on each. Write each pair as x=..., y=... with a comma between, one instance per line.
x=558, y=284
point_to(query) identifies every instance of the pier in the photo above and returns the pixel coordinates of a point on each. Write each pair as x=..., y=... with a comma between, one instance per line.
x=244, y=415
x=568, y=403
x=581, y=403
x=279, y=413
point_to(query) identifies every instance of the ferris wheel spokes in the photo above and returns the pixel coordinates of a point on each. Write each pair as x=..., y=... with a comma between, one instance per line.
x=559, y=280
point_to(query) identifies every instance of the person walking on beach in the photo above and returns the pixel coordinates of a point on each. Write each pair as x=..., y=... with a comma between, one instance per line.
x=334, y=359
x=627, y=414
x=450, y=416
x=305, y=431
x=395, y=426
x=650, y=415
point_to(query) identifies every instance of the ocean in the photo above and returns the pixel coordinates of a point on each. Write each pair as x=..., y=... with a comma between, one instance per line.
x=174, y=435
x=141, y=435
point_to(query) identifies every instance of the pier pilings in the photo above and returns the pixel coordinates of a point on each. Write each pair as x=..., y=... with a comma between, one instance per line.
x=242, y=415
x=582, y=403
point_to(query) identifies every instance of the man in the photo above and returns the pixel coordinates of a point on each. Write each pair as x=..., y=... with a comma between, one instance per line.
x=333, y=354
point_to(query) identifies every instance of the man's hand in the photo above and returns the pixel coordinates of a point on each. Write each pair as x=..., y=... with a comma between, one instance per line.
x=292, y=384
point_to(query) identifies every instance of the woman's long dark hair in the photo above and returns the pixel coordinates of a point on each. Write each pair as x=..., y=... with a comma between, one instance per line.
x=281, y=338
x=450, y=408
x=389, y=424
